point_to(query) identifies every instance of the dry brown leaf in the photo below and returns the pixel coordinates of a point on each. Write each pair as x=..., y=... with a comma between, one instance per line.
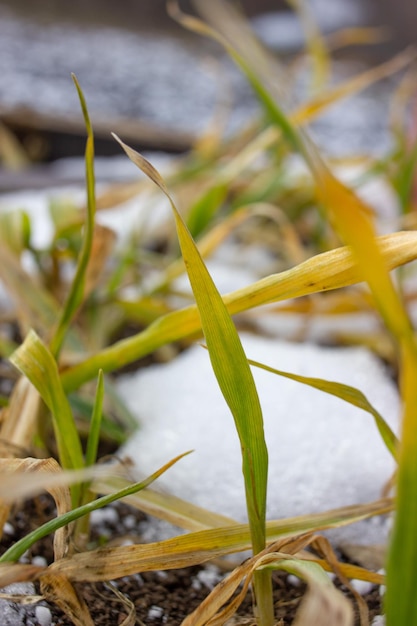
x=130, y=619
x=60, y=493
x=57, y=588
x=20, y=485
x=21, y=416
x=324, y=609
x=209, y=611
x=18, y=572
x=322, y=545
x=19, y=598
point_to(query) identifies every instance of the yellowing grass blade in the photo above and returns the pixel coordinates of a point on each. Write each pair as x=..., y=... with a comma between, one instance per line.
x=344, y=392
x=317, y=105
x=350, y=218
x=359, y=35
x=235, y=380
x=34, y=360
x=198, y=547
x=315, y=43
x=164, y=506
x=356, y=229
x=330, y=270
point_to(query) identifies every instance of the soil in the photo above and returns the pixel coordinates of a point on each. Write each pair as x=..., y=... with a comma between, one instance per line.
x=161, y=597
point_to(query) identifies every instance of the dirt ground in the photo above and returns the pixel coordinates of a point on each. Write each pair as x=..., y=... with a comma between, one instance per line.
x=161, y=597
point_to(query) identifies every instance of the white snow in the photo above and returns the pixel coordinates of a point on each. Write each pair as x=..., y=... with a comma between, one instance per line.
x=323, y=452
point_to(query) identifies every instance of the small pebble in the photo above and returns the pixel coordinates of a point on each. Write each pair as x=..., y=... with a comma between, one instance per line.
x=155, y=612
x=8, y=529
x=43, y=615
x=209, y=576
x=130, y=522
x=109, y=515
x=362, y=586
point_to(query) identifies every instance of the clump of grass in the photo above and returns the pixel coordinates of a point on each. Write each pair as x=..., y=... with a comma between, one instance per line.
x=87, y=313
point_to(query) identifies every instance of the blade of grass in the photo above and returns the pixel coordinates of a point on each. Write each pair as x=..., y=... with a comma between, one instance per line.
x=186, y=550
x=17, y=549
x=15, y=230
x=94, y=434
x=76, y=293
x=357, y=230
x=329, y=270
x=317, y=105
x=93, y=438
x=350, y=219
x=316, y=44
x=400, y=598
x=36, y=307
x=35, y=361
x=344, y=392
x=165, y=506
x=233, y=374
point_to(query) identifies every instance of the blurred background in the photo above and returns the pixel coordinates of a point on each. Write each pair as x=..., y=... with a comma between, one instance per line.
x=157, y=84
x=400, y=15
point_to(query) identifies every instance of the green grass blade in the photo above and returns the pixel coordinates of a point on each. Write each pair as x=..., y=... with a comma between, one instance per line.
x=17, y=549
x=348, y=394
x=76, y=293
x=82, y=527
x=400, y=598
x=405, y=178
x=15, y=230
x=204, y=209
x=96, y=417
x=233, y=375
x=35, y=361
